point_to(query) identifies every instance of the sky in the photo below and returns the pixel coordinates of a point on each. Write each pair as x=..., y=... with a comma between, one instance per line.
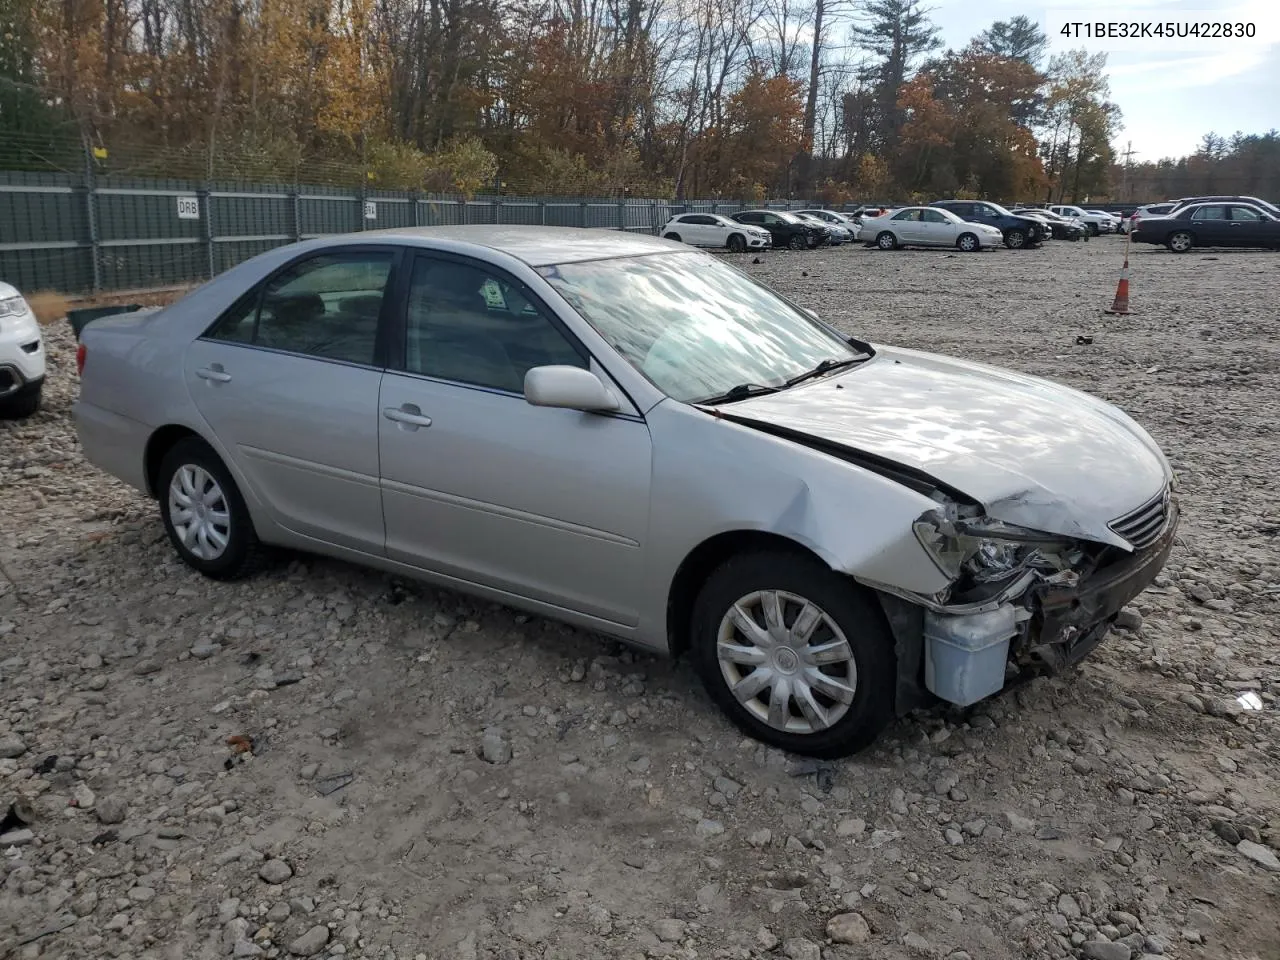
x=1171, y=92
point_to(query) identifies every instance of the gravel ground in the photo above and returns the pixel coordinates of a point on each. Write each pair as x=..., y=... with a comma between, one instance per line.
x=429, y=777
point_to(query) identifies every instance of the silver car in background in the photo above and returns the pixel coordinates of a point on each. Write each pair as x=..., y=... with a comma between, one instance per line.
x=639, y=439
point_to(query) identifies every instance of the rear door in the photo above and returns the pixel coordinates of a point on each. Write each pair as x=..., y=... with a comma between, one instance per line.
x=288, y=379
x=478, y=484
x=907, y=226
x=1212, y=226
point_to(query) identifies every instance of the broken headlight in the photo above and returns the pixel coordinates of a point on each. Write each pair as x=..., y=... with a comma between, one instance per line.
x=982, y=556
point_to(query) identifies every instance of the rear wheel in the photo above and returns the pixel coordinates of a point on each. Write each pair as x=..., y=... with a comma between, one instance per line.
x=1179, y=242
x=671, y=236
x=22, y=404
x=1015, y=239
x=887, y=241
x=967, y=242
x=204, y=513
x=737, y=243
x=797, y=655
x=797, y=241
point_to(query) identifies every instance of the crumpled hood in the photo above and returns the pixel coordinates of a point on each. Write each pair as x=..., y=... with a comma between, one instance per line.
x=1032, y=452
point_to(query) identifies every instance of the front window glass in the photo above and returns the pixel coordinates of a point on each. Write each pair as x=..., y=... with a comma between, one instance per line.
x=694, y=326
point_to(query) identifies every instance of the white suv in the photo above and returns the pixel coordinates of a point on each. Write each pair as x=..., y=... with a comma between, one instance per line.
x=713, y=230
x=1096, y=222
x=21, y=356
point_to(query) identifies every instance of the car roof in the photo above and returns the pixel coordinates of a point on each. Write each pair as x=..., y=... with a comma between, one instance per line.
x=535, y=245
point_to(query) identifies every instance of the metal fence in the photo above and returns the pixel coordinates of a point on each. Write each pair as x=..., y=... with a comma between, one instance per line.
x=76, y=235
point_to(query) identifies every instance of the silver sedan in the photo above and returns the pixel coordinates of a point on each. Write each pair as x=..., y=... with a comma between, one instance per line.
x=639, y=439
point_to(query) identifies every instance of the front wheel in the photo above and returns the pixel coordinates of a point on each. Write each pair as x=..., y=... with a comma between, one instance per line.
x=737, y=243
x=204, y=513
x=1179, y=242
x=1095, y=229
x=887, y=241
x=1015, y=239
x=797, y=655
x=967, y=242
x=797, y=241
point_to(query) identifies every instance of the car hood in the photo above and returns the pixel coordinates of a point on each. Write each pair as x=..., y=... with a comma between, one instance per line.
x=1032, y=452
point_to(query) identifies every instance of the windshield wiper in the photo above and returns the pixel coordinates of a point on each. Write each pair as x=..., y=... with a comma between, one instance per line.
x=826, y=366
x=740, y=392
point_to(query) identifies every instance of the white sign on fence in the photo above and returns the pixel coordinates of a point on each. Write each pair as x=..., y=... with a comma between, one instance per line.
x=370, y=210
x=188, y=208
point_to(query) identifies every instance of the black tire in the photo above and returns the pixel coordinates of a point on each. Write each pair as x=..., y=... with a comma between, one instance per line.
x=671, y=236
x=244, y=553
x=1015, y=239
x=1095, y=229
x=22, y=404
x=851, y=608
x=967, y=242
x=737, y=243
x=798, y=241
x=1179, y=241
x=885, y=240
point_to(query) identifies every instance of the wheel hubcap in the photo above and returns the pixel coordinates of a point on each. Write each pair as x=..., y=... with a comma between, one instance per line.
x=199, y=512
x=785, y=660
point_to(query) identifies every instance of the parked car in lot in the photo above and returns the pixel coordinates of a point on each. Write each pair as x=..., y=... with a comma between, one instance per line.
x=1061, y=228
x=1041, y=217
x=833, y=219
x=1149, y=210
x=1114, y=219
x=1096, y=222
x=714, y=230
x=928, y=227
x=1018, y=232
x=1210, y=225
x=1270, y=208
x=787, y=229
x=837, y=233
x=635, y=437
x=22, y=356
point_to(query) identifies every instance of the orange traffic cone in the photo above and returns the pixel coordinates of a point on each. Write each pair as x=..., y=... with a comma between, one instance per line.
x=1121, y=303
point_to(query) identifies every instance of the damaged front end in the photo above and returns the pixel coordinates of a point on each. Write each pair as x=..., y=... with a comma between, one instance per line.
x=1017, y=597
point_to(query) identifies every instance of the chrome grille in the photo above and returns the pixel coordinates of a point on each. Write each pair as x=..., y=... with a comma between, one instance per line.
x=1143, y=526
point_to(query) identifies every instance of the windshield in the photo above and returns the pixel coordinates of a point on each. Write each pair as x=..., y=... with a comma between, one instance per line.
x=693, y=325
x=787, y=217
x=998, y=209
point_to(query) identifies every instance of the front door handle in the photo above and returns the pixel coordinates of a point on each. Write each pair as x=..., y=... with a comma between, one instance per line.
x=407, y=415
x=214, y=373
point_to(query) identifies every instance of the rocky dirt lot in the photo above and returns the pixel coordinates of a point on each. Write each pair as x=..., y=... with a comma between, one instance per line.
x=430, y=777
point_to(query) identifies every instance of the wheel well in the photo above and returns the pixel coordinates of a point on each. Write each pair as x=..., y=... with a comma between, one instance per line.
x=740, y=236
x=700, y=563
x=160, y=443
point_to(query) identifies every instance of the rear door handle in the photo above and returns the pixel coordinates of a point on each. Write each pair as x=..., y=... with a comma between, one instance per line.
x=408, y=415
x=215, y=374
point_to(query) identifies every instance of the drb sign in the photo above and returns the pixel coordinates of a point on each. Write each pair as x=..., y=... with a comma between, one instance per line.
x=188, y=208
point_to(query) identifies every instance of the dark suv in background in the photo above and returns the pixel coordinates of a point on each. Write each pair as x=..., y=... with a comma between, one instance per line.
x=1018, y=231
x=787, y=229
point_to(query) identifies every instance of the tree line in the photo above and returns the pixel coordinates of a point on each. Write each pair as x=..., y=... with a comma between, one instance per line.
x=740, y=99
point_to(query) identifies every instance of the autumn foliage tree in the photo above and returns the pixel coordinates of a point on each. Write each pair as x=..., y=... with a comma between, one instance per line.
x=731, y=98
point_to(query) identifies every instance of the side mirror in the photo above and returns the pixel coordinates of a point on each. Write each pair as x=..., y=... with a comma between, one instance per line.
x=572, y=388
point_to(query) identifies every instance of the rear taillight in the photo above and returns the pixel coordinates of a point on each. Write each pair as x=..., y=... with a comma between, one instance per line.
x=80, y=355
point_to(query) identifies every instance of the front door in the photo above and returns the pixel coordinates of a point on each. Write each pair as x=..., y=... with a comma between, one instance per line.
x=288, y=381
x=1250, y=228
x=936, y=230
x=477, y=484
